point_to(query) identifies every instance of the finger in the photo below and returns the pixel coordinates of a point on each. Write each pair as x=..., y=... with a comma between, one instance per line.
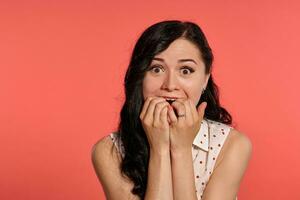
x=188, y=112
x=180, y=109
x=150, y=111
x=169, y=120
x=201, y=109
x=172, y=115
x=164, y=116
x=157, y=111
x=145, y=107
x=193, y=110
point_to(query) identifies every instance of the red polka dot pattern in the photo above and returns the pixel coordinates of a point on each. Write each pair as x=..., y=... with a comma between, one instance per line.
x=206, y=148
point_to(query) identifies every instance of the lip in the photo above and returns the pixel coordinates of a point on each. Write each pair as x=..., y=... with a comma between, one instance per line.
x=166, y=97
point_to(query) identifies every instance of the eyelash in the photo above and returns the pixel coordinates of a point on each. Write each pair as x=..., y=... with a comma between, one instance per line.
x=184, y=67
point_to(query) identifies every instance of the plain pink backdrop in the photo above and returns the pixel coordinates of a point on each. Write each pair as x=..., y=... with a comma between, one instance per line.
x=62, y=65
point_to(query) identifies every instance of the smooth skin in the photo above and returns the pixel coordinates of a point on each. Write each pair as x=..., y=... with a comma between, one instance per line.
x=156, y=126
x=183, y=130
x=165, y=137
x=171, y=173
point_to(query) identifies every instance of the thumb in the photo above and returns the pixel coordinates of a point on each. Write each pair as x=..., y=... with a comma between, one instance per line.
x=201, y=109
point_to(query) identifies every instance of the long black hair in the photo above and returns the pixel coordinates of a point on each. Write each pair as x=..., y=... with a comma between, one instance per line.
x=154, y=40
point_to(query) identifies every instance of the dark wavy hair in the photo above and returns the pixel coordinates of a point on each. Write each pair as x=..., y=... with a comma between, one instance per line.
x=154, y=40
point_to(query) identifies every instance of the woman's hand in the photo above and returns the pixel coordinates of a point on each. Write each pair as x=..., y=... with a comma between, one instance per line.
x=155, y=123
x=183, y=129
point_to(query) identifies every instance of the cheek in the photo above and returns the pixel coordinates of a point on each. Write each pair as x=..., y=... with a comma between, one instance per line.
x=194, y=93
x=150, y=87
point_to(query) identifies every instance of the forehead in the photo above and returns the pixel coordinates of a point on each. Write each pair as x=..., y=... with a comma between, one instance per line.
x=182, y=49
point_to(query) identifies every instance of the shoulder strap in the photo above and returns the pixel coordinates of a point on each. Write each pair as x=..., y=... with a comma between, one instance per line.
x=117, y=142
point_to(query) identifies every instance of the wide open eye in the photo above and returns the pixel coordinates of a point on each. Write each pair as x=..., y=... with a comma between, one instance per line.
x=187, y=70
x=155, y=69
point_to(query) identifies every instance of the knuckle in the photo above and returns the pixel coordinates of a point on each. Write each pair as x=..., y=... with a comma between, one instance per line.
x=154, y=100
x=160, y=99
x=157, y=101
x=187, y=102
x=149, y=98
x=156, y=125
x=180, y=103
x=147, y=122
x=190, y=124
x=161, y=104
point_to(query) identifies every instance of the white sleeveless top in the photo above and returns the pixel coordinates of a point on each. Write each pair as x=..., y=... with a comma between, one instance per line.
x=205, y=150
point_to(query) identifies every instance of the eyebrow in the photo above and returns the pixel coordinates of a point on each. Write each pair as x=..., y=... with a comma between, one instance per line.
x=180, y=60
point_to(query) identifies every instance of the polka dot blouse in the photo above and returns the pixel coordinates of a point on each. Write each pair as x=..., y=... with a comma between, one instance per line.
x=205, y=150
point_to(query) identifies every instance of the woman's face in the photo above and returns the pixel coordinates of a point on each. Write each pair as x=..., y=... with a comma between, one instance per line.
x=179, y=72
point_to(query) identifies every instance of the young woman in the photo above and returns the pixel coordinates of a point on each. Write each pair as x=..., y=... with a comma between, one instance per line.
x=174, y=140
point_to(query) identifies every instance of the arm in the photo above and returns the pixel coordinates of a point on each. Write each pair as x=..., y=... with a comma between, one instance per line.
x=183, y=131
x=225, y=180
x=155, y=123
x=106, y=160
x=159, y=185
x=117, y=187
x=183, y=175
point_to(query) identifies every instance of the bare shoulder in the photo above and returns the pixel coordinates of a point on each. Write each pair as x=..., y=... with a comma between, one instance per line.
x=236, y=145
x=237, y=139
x=106, y=162
x=239, y=142
x=230, y=168
x=103, y=155
x=102, y=149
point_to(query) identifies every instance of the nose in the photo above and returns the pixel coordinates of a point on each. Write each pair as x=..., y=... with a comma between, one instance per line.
x=170, y=82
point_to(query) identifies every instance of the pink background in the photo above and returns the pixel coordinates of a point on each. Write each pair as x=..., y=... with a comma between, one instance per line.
x=62, y=65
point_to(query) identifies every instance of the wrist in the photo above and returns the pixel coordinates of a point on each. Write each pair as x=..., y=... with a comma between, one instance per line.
x=180, y=152
x=160, y=151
